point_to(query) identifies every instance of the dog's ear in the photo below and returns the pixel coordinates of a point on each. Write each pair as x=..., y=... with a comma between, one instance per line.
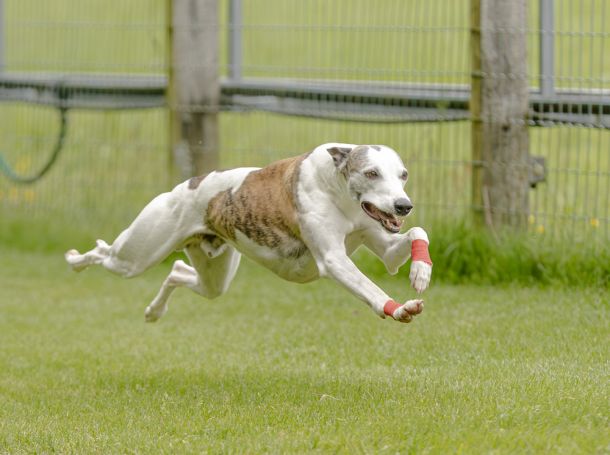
x=339, y=155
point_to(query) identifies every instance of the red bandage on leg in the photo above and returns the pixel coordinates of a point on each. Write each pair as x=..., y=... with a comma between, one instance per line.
x=391, y=306
x=419, y=251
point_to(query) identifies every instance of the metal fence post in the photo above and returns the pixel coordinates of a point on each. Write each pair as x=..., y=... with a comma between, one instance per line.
x=235, y=39
x=547, y=48
x=194, y=93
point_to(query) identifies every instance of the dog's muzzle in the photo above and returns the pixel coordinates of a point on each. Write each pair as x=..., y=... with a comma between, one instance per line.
x=389, y=221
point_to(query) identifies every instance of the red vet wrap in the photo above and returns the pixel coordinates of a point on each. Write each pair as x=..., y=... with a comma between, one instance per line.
x=391, y=306
x=419, y=251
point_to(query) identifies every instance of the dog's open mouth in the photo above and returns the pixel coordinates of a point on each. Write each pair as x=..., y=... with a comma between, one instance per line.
x=390, y=222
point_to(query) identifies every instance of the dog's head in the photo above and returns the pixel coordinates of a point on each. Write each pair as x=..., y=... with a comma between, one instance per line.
x=375, y=177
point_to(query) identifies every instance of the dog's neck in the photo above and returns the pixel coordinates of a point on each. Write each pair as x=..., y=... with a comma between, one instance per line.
x=335, y=181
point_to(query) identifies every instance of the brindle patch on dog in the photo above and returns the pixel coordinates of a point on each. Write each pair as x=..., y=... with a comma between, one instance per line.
x=263, y=208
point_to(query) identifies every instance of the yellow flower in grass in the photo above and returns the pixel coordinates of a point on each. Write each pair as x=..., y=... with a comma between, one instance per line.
x=594, y=222
x=531, y=219
x=540, y=229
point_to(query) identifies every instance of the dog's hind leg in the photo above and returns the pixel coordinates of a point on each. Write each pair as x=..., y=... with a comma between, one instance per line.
x=182, y=274
x=160, y=228
x=213, y=268
x=107, y=256
x=104, y=255
x=97, y=255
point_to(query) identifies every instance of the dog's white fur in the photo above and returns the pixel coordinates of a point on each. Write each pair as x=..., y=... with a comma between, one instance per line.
x=328, y=191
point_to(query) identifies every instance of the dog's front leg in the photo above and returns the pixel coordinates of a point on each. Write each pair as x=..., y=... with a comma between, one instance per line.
x=395, y=249
x=337, y=265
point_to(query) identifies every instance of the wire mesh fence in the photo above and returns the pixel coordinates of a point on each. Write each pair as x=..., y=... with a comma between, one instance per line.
x=112, y=160
x=296, y=74
x=421, y=49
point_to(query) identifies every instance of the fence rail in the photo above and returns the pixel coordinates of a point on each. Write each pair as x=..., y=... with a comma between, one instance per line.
x=341, y=100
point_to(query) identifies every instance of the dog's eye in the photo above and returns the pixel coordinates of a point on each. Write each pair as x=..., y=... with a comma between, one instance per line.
x=371, y=174
x=404, y=176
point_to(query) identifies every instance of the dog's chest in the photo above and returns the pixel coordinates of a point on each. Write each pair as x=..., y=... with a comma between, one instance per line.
x=290, y=260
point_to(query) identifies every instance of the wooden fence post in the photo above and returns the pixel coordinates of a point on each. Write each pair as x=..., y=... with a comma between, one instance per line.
x=475, y=110
x=499, y=109
x=194, y=86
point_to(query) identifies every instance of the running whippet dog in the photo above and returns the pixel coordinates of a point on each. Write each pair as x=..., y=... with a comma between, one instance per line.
x=301, y=217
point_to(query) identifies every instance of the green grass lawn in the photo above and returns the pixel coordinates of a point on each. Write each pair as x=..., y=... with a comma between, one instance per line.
x=277, y=367
x=283, y=368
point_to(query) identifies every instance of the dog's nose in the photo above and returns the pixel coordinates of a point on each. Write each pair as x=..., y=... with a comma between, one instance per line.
x=403, y=206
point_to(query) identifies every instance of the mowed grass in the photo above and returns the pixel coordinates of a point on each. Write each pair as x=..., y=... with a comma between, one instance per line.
x=284, y=368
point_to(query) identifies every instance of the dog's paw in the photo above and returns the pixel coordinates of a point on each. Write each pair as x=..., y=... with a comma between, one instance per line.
x=74, y=260
x=420, y=275
x=406, y=312
x=154, y=313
